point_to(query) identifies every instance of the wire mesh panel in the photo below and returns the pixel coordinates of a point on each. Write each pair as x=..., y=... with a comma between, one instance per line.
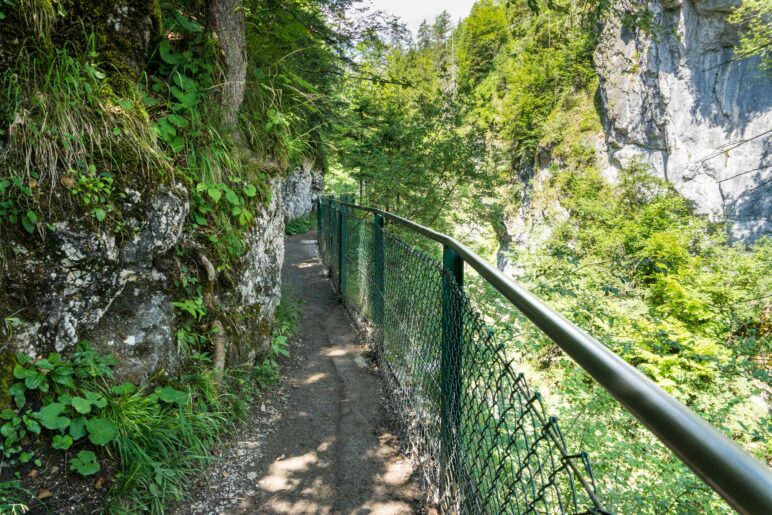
x=360, y=247
x=483, y=438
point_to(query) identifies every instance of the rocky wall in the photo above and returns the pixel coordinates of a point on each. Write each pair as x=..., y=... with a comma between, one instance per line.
x=300, y=190
x=681, y=100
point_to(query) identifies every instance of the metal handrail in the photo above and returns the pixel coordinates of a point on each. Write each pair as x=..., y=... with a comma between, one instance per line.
x=744, y=482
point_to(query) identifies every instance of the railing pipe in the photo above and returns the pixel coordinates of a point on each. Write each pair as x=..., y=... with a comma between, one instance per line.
x=745, y=483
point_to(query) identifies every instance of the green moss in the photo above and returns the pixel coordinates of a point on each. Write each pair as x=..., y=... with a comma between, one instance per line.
x=7, y=362
x=123, y=32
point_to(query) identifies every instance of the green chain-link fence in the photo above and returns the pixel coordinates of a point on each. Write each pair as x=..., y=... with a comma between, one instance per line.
x=483, y=438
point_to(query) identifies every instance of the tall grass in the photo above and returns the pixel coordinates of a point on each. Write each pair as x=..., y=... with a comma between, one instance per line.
x=160, y=445
x=62, y=114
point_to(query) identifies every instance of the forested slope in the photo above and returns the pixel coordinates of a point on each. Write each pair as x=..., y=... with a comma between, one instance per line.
x=500, y=130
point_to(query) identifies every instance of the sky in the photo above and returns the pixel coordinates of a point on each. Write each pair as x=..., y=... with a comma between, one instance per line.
x=413, y=12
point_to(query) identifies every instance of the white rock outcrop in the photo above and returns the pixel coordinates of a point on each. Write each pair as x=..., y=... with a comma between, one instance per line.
x=681, y=100
x=300, y=190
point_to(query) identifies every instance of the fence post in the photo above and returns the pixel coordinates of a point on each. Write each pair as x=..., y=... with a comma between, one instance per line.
x=450, y=365
x=378, y=272
x=342, y=237
x=319, y=223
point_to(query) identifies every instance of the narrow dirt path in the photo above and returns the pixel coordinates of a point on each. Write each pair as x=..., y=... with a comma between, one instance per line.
x=323, y=444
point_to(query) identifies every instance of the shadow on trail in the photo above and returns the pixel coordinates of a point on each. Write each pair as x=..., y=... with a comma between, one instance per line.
x=331, y=452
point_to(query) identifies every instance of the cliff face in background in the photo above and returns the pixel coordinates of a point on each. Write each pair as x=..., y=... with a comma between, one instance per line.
x=300, y=190
x=680, y=101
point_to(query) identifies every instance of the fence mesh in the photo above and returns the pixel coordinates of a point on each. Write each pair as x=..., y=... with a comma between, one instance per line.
x=483, y=438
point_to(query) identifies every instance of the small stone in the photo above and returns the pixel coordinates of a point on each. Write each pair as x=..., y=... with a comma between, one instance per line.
x=251, y=476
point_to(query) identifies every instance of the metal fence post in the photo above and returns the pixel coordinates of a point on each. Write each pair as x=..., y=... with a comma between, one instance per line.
x=450, y=365
x=378, y=271
x=319, y=222
x=342, y=237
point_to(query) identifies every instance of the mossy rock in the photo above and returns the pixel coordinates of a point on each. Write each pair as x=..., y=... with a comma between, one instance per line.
x=124, y=30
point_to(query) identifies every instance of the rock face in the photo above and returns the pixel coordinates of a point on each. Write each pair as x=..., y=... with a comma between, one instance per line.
x=114, y=283
x=88, y=286
x=117, y=295
x=258, y=289
x=300, y=190
x=680, y=101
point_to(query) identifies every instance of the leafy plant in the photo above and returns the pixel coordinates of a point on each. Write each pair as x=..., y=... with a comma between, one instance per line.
x=85, y=463
x=16, y=199
x=14, y=498
x=192, y=307
x=67, y=411
x=94, y=190
x=301, y=225
x=754, y=17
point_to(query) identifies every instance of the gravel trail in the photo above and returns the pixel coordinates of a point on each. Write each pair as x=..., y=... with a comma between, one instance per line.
x=320, y=443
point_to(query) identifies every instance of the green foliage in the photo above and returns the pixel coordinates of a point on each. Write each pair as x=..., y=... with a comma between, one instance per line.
x=290, y=95
x=56, y=395
x=14, y=498
x=286, y=325
x=631, y=264
x=160, y=437
x=85, y=463
x=60, y=120
x=512, y=92
x=94, y=190
x=192, y=307
x=77, y=131
x=15, y=203
x=754, y=17
x=301, y=225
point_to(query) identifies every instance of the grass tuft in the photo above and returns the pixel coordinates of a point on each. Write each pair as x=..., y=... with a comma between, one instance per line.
x=301, y=225
x=61, y=115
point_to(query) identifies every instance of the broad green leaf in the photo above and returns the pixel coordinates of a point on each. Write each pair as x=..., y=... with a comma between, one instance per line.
x=19, y=372
x=50, y=417
x=100, y=431
x=78, y=427
x=85, y=463
x=81, y=405
x=17, y=392
x=124, y=389
x=250, y=190
x=186, y=23
x=32, y=425
x=178, y=121
x=188, y=99
x=97, y=399
x=168, y=54
x=62, y=442
x=28, y=226
x=34, y=380
x=215, y=194
x=44, y=364
x=231, y=197
x=171, y=395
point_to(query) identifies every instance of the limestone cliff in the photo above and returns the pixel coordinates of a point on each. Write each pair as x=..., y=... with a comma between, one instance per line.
x=300, y=190
x=702, y=118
